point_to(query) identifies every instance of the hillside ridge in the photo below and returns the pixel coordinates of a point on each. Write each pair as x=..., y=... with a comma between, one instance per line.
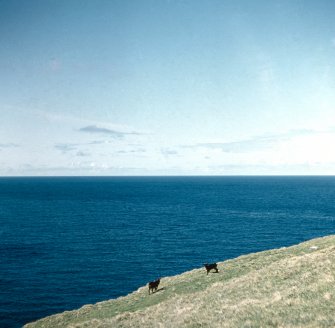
x=286, y=287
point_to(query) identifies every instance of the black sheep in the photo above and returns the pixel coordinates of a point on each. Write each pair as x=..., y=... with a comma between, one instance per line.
x=212, y=266
x=153, y=285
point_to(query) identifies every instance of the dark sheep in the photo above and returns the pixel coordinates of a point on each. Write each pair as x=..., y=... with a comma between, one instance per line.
x=153, y=285
x=212, y=266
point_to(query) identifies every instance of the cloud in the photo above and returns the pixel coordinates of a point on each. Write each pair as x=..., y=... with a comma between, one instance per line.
x=238, y=146
x=132, y=151
x=65, y=147
x=253, y=144
x=95, y=129
x=8, y=145
x=82, y=154
x=75, y=169
x=167, y=151
x=98, y=142
x=71, y=147
x=115, y=134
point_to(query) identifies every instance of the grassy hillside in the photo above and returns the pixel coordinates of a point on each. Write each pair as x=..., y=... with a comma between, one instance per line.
x=286, y=287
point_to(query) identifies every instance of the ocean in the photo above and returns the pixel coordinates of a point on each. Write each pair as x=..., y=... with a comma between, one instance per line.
x=70, y=241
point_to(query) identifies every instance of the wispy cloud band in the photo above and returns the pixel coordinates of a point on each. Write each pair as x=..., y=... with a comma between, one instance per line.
x=112, y=133
x=252, y=144
x=8, y=145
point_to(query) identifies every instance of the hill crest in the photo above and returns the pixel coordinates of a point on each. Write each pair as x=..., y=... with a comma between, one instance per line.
x=286, y=287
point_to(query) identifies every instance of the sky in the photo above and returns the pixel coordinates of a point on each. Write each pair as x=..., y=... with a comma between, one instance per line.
x=166, y=87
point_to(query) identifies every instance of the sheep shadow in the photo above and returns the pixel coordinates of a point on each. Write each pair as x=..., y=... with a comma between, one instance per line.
x=158, y=290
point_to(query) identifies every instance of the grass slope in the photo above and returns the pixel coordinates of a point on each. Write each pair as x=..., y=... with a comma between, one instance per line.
x=286, y=287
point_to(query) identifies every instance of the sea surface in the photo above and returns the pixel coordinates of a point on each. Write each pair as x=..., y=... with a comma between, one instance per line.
x=69, y=241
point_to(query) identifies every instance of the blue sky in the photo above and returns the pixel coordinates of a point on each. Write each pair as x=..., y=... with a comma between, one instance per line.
x=167, y=87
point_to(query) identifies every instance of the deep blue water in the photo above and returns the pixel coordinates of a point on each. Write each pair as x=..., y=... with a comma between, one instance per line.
x=66, y=242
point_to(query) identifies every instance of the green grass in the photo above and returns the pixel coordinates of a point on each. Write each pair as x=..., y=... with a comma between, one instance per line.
x=287, y=287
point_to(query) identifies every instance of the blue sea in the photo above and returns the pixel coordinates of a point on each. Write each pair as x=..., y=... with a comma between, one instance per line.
x=69, y=241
